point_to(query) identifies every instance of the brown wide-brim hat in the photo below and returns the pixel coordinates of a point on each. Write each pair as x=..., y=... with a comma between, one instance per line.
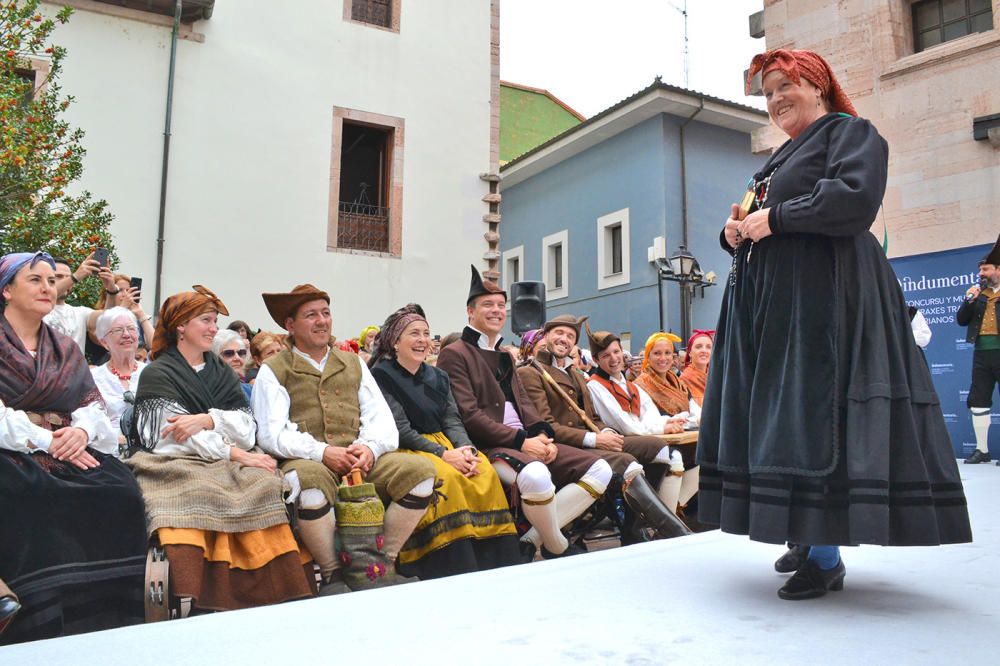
x=566, y=320
x=600, y=341
x=283, y=306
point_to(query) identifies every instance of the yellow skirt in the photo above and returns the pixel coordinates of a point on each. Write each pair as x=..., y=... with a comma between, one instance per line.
x=466, y=508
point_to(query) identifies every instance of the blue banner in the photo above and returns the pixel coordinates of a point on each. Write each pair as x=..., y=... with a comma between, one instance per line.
x=936, y=283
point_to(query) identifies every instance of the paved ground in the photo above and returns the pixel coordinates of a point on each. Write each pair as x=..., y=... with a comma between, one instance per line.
x=705, y=599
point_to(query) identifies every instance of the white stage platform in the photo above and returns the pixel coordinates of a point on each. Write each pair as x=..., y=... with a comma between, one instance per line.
x=704, y=599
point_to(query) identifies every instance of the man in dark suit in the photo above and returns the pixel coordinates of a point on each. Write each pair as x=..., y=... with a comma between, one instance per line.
x=502, y=421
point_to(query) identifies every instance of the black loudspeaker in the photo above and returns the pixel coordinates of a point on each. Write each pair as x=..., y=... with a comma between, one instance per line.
x=527, y=306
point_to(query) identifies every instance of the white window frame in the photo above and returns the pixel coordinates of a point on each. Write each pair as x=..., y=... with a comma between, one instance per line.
x=508, y=255
x=605, y=278
x=559, y=238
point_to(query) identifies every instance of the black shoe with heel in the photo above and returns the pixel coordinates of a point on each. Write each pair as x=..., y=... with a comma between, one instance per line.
x=810, y=582
x=793, y=558
x=977, y=457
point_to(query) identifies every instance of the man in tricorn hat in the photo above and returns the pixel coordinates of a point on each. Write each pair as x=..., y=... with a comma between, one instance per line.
x=628, y=409
x=502, y=421
x=980, y=313
x=559, y=393
x=320, y=411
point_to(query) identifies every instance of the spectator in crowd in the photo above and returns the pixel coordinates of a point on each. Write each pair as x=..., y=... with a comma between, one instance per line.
x=501, y=420
x=679, y=361
x=671, y=396
x=695, y=375
x=634, y=367
x=321, y=412
x=119, y=333
x=559, y=394
x=231, y=347
x=980, y=314
x=366, y=342
x=627, y=409
x=76, y=321
x=68, y=503
x=192, y=438
x=470, y=528
x=820, y=424
x=141, y=354
x=531, y=343
x=263, y=346
x=242, y=328
x=128, y=297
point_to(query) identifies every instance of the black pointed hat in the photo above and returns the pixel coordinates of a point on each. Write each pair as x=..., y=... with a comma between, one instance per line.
x=480, y=287
x=993, y=256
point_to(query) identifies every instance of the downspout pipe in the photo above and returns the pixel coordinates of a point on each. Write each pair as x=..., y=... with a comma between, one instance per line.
x=684, y=188
x=161, y=224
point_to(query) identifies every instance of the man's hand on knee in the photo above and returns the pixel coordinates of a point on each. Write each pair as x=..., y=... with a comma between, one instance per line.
x=339, y=460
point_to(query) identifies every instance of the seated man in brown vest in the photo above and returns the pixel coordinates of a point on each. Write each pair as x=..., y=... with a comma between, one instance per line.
x=629, y=410
x=559, y=393
x=501, y=421
x=320, y=411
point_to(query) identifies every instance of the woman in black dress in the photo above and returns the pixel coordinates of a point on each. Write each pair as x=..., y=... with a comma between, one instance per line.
x=72, y=530
x=821, y=425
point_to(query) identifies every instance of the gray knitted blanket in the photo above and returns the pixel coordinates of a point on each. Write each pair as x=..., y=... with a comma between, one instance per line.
x=217, y=496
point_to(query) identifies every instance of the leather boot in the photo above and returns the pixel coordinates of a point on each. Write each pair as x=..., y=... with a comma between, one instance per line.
x=651, y=510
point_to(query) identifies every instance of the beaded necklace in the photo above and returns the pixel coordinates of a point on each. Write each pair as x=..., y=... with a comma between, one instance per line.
x=120, y=376
x=757, y=188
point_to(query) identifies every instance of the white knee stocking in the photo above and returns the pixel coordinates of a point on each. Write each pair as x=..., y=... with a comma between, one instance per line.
x=402, y=516
x=689, y=486
x=534, y=483
x=316, y=526
x=981, y=425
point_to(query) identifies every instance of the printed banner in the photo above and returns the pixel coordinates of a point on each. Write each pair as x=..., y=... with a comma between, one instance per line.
x=936, y=283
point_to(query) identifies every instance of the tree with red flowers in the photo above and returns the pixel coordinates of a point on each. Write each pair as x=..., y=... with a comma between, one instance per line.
x=40, y=154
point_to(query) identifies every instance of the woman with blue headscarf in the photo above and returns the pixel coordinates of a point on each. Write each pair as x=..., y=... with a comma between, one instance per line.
x=72, y=527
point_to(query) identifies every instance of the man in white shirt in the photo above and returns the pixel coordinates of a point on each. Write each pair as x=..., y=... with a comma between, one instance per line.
x=628, y=409
x=77, y=321
x=320, y=411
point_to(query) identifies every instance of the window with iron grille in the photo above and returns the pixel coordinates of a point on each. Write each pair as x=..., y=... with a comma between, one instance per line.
x=365, y=162
x=375, y=12
x=939, y=21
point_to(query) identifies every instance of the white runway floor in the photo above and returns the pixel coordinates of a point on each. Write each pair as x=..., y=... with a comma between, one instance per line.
x=704, y=599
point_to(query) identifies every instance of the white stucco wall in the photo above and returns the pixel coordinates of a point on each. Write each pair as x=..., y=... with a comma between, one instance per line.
x=249, y=174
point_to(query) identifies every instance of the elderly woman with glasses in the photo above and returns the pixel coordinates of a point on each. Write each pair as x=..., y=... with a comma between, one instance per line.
x=118, y=331
x=231, y=347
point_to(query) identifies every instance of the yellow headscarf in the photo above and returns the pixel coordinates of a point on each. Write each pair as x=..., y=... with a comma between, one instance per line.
x=652, y=340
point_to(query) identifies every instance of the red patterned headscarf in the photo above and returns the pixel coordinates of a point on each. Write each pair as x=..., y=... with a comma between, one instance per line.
x=694, y=336
x=798, y=65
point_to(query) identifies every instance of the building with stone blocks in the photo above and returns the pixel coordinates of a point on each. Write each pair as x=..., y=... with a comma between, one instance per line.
x=934, y=104
x=340, y=143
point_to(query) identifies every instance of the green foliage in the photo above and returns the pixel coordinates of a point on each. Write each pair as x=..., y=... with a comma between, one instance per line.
x=40, y=154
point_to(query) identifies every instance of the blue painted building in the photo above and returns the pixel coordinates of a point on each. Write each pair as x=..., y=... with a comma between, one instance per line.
x=587, y=211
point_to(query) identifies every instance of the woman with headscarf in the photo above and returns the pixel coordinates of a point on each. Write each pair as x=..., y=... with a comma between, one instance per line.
x=695, y=373
x=215, y=506
x=72, y=543
x=366, y=342
x=820, y=423
x=667, y=390
x=470, y=528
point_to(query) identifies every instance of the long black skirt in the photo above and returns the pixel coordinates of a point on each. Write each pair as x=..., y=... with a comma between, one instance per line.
x=72, y=545
x=821, y=424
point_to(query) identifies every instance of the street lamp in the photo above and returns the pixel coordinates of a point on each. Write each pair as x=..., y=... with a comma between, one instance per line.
x=684, y=269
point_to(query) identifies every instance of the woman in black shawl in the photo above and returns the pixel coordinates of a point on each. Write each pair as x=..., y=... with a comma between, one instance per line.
x=72, y=544
x=820, y=423
x=470, y=527
x=215, y=506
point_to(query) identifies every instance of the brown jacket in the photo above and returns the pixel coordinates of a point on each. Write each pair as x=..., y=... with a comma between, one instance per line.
x=551, y=407
x=481, y=399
